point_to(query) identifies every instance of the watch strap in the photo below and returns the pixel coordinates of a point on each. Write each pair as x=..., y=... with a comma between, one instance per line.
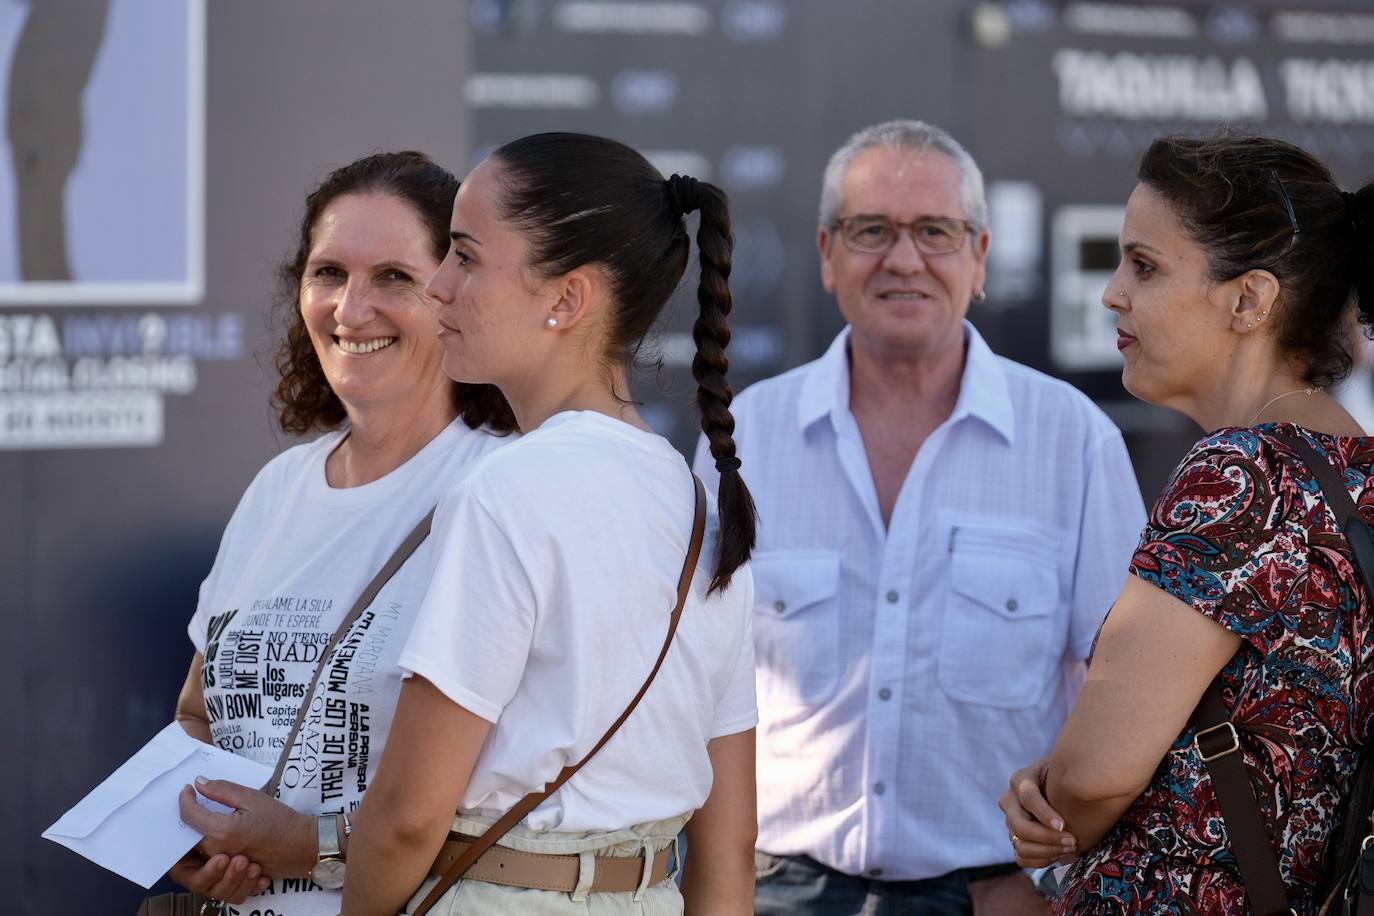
x=329, y=836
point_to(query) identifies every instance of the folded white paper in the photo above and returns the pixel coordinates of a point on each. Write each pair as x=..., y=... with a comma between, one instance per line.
x=131, y=823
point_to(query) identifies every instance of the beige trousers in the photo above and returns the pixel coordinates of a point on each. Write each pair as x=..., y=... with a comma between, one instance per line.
x=469, y=898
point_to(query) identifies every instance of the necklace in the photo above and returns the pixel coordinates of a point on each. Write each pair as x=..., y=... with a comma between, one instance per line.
x=1270, y=402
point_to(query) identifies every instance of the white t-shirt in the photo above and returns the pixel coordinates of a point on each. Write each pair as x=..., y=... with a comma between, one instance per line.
x=556, y=570
x=295, y=557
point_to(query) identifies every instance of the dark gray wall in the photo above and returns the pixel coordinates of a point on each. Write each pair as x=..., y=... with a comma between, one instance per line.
x=101, y=551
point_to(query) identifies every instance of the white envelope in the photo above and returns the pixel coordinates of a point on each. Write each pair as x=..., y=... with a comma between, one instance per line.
x=131, y=823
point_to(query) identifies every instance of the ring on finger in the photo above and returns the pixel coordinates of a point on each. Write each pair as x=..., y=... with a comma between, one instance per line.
x=1015, y=839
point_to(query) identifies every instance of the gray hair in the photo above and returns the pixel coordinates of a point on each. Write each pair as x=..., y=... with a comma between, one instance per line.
x=907, y=135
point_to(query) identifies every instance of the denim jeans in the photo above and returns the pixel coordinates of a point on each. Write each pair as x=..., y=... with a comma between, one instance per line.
x=798, y=886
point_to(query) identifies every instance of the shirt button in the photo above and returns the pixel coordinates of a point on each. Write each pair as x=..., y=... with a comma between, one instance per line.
x=892, y=597
x=779, y=606
x=875, y=872
x=879, y=788
x=1012, y=605
x=885, y=694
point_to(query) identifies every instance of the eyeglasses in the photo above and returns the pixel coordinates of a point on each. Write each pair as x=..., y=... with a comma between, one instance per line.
x=877, y=234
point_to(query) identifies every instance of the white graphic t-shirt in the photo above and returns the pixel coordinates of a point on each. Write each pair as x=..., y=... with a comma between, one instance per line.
x=295, y=557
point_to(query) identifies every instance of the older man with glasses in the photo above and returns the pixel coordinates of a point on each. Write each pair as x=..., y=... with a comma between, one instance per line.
x=942, y=530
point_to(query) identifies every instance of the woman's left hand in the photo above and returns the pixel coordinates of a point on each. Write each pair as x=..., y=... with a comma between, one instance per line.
x=230, y=879
x=1036, y=830
x=281, y=839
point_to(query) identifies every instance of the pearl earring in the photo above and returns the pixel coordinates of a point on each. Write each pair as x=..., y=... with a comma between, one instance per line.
x=551, y=323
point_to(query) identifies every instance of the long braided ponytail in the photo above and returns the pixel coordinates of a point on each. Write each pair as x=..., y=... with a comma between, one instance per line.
x=711, y=332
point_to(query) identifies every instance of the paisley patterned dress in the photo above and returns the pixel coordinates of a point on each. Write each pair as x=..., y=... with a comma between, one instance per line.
x=1243, y=535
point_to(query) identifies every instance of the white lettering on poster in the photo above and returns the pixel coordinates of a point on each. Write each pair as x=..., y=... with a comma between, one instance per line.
x=658, y=17
x=1330, y=28
x=98, y=380
x=681, y=162
x=88, y=420
x=532, y=90
x=28, y=336
x=1139, y=20
x=1159, y=87
x=1329, y=91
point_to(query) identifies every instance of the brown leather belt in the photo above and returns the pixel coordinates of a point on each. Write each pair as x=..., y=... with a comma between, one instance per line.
x=514, y=868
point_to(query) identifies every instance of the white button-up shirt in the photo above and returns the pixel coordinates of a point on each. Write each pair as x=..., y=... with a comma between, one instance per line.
x=905, y=672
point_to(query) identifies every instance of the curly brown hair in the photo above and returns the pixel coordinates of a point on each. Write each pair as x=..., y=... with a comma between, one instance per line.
x=303, y=398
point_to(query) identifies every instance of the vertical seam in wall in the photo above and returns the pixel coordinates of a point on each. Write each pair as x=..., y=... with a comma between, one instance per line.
x=28, y=558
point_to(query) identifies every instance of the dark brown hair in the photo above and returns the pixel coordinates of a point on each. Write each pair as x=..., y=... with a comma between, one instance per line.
x=303, y=398
x=1260, y=203
x=588, y=200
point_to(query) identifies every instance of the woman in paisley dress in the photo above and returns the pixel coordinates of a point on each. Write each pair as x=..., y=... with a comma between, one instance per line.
x=1244, y=268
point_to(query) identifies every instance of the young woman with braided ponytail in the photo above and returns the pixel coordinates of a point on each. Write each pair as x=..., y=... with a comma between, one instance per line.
x=557, y=568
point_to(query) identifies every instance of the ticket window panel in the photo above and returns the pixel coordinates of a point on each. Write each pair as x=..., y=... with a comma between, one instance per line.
x=1084, y=256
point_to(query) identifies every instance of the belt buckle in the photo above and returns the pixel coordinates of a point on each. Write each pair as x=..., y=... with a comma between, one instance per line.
x=1208, y=758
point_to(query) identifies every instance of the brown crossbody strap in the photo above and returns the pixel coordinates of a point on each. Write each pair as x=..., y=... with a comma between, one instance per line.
x=1218, y=744
x=527, y=804
x=396, y=561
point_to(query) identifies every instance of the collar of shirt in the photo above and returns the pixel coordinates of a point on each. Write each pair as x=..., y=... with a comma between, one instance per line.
x=983, y=392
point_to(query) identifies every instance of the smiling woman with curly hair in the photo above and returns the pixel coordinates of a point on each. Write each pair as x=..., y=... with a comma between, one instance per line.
x=361, y=361
x=304, y=399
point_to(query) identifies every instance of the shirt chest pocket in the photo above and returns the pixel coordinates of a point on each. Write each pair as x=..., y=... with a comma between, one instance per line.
x=796, y=625
x=1001, y=635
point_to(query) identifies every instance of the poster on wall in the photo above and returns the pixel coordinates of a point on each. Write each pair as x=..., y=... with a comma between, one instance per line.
x=102, y=162
x=102, y=198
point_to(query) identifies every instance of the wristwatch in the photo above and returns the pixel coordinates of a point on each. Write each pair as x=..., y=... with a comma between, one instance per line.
x=328, y=872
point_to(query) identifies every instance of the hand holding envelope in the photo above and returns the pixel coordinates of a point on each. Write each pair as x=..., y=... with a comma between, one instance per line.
x=281, y=839
x=130, y=823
